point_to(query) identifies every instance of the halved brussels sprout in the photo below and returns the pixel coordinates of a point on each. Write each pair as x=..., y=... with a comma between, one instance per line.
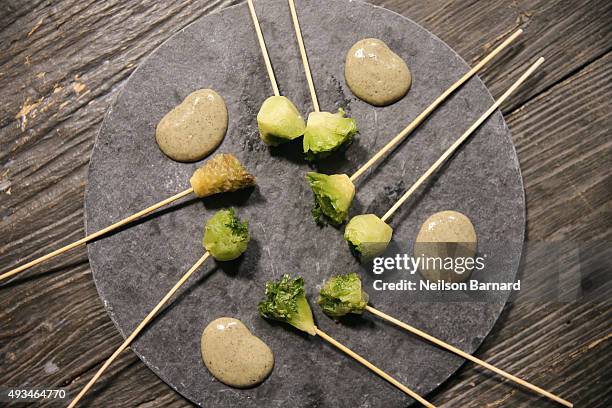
x=333, y=196
x=327, y=132
x=279, y=121
x=367, y=235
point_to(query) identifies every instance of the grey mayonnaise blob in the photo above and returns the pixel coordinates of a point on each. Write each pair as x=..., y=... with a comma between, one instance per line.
x=376, y=74
x=235, y=356
x=193, y=129
x=446, y=234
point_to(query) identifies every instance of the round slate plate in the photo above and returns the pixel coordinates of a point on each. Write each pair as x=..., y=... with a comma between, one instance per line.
x=133, y=269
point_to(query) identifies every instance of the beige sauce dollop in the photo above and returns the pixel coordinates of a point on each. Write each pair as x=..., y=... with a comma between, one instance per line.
x=235, y=356
x=193, y=129
x=447, y=234
x=376, y=74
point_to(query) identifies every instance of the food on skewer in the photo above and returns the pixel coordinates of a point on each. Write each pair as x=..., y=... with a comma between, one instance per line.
x=279, y=121
x=343, y=294
x=234, y=355
x=220, y=174
x=225, y=236
x=223, y=173
x=285, y=301
x=194, y=128
x=361, y=228
x=375, y=74
x=423, y=115
x=327, y=132
x=446, y=234
x=367, y=236
x=225, y=240
x=333, y=196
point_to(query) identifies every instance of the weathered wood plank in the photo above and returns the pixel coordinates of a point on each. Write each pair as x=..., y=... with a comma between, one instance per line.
x=64, y=63
x=562, y=139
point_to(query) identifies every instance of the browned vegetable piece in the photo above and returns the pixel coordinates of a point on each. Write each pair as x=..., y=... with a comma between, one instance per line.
x=221, y=174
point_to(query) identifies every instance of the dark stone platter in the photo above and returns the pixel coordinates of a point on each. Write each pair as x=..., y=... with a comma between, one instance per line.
x=134, y=268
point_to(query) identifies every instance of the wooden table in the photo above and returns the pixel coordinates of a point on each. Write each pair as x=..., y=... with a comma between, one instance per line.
x=61, y=64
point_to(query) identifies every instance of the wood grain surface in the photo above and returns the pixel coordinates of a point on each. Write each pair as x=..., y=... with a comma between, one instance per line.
x=63, y=61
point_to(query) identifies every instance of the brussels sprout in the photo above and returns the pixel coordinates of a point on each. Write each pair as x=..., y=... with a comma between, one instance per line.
x=225, y=236
x=333, y=196
x=326, y=132
x=367, y=235
x=223, y=173
x=343, y=294
x=285, y=301
x=279, y=121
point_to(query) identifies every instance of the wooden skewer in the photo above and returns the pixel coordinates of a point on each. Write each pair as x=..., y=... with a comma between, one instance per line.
x=462, y=139
x=372, y=367
x=97, y=234
x=264, y=50
x=300, y=40
x=138, y=329
x=423, y=115
x=467, y=356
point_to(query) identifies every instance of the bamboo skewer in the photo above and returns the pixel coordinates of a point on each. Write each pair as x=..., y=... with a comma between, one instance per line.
x=264, y=50
x=467, y=356
x=97, y=234
x=300, y=40
x=437, y=102
x=462, y=139
x=372, y=367
x=138, y=329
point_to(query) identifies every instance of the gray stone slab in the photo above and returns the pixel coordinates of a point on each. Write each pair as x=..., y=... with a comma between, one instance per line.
x=134, y=268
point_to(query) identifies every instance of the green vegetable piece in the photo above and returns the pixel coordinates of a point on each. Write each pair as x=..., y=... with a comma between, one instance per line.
x=367, y=235
x=333, y=196
x=343, y=294
x=326, y=132
x=223, y=173
x=225, y=236
x=285, y=300
x=279, y=121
